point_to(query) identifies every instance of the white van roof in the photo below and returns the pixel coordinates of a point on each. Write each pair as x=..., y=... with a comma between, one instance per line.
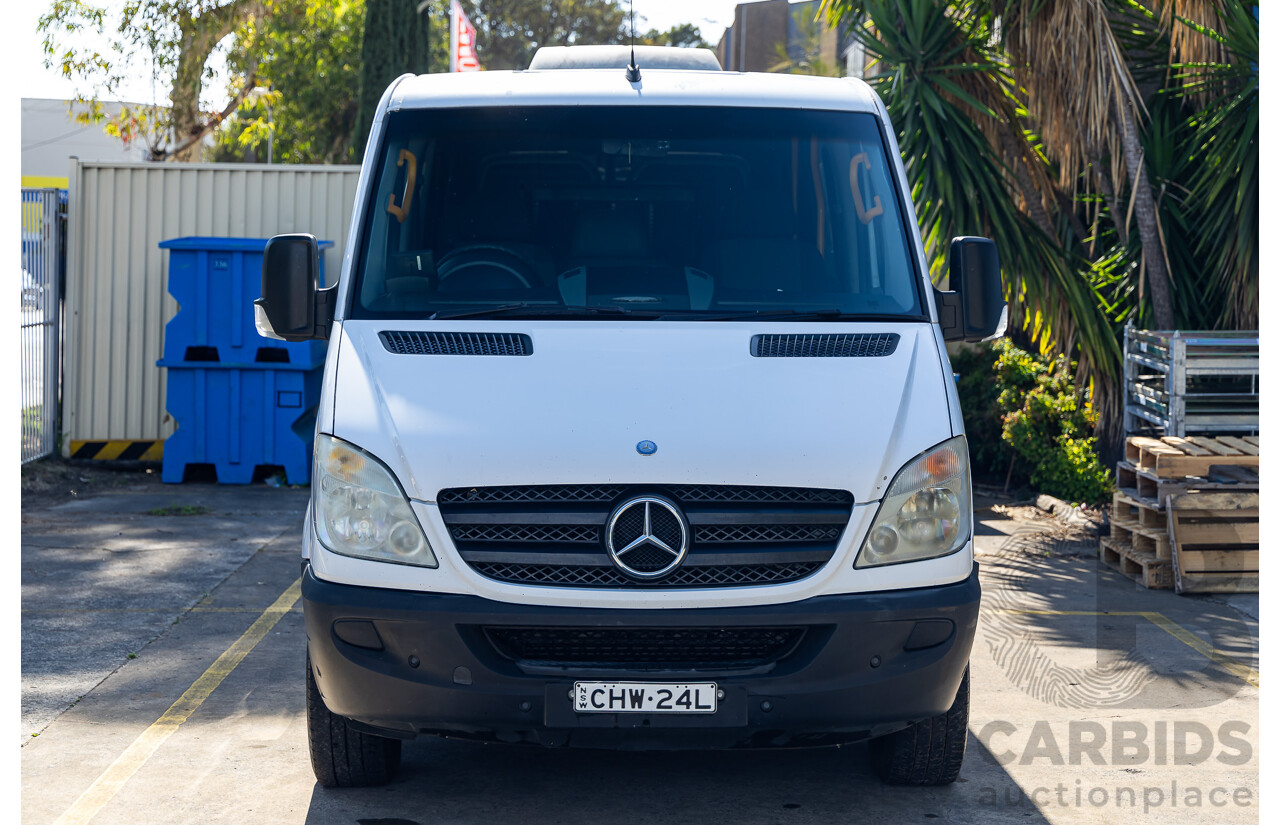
x=657, y=87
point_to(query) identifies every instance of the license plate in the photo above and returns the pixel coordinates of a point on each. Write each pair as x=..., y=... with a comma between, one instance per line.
x=644, y=697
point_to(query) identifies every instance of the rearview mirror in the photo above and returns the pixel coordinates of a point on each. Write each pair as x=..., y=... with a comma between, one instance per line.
x=293, y=307
x=974, y=309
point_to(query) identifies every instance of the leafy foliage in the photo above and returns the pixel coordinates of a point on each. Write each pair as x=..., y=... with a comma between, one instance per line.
x=508, y=32
x=804, y=54
x=681, y=36
x=396, y=40
x=1048, y=426
x=979, y=403
x=101, y=46
x=1027, y=423
x=310, y=62
x=1098, y=142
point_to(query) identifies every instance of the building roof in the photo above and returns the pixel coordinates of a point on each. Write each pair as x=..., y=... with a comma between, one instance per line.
x=657, y=87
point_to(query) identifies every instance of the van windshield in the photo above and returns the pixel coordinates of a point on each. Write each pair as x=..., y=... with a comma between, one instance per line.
x=697, y=213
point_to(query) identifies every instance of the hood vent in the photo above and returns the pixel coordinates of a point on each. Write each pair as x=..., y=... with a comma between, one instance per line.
x=838, y=345
x=457, y=343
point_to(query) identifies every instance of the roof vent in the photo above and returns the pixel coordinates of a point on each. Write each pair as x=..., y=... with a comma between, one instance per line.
x=619, y=57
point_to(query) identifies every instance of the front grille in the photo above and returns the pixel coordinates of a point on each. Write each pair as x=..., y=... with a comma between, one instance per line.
x=457, y=343
x=577, y=575
x=554, y=535
x=836, y=345
x=645, y=647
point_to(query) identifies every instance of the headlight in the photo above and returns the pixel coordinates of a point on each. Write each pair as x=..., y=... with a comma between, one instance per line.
x=926, y=512
x=360, y=510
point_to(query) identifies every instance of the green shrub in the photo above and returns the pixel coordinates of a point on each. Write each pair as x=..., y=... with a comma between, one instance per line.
x=1048, y=427
x=1027, y=423
x=979, y=403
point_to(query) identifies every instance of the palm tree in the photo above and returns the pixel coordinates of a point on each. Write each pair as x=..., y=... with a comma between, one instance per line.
x=1082, y=99
x=1031, y=120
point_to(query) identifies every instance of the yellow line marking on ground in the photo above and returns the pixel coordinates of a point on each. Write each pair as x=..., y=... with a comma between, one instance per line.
x=1228, y=663
x=1239, y=669
x=113, y=778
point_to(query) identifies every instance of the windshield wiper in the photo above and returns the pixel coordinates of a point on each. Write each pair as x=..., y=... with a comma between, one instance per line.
x=541, y=311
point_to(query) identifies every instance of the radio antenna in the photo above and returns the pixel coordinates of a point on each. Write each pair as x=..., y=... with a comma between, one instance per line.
x=633, y=71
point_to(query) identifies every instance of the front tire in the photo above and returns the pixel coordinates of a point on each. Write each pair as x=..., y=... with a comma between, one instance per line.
x=341, y=756
x=928, y=752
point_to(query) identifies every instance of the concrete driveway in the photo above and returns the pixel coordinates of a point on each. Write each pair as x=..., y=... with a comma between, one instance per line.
x=163, y=657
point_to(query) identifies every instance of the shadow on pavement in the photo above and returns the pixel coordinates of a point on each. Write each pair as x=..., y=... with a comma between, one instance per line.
x=450, y=781
x=1040, y=610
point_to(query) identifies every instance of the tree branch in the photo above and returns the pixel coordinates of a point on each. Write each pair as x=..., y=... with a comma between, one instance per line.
x=251, y=82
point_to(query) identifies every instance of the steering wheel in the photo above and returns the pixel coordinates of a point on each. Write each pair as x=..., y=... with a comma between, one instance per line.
x=484, y=266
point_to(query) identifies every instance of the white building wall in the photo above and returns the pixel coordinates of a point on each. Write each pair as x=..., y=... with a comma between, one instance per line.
x=50, y=138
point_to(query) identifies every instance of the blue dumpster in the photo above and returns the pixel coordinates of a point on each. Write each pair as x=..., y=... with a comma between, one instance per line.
x=238, y=419
x=215, y=281
x=241, y=402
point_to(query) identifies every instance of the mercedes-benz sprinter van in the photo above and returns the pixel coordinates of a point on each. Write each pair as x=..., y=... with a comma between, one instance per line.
x=637, y=427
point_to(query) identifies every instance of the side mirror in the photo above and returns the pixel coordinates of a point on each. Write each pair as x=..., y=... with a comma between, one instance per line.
x=293, y=307
x=974, y=309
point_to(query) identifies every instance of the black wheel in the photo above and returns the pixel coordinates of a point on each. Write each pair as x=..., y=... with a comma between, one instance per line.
x=341, y=756
x=927, y=752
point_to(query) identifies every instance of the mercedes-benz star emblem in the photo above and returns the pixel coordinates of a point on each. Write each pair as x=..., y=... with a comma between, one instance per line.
x=647, y=537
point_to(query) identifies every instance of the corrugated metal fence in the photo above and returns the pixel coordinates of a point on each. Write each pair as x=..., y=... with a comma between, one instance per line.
x=38, y=341
x=117, y=277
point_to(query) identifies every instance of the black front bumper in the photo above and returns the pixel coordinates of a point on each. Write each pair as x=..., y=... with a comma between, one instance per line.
x=401, y=663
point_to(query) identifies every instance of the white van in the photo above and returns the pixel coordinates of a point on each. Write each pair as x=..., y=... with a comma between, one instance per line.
x=637, y=427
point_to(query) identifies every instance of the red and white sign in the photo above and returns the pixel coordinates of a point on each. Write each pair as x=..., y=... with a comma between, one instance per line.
x=462, y=42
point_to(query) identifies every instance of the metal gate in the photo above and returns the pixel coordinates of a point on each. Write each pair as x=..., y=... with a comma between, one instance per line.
x=42, y=255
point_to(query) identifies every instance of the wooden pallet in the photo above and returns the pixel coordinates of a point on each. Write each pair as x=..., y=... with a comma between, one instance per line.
x=1215, y=542
x=1145, y=513
x=1150, y=490
x=1173, y=457
x=1144, y=568
x=1153, y=540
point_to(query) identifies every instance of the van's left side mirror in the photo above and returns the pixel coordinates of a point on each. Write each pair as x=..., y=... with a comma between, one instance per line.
x=974, y=309
x=293, y=307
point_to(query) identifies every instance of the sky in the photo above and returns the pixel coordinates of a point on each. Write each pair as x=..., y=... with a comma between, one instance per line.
x=710, y=16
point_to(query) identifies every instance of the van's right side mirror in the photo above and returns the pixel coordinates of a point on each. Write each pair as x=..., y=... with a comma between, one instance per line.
x=974, y=309
x=293, y=307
